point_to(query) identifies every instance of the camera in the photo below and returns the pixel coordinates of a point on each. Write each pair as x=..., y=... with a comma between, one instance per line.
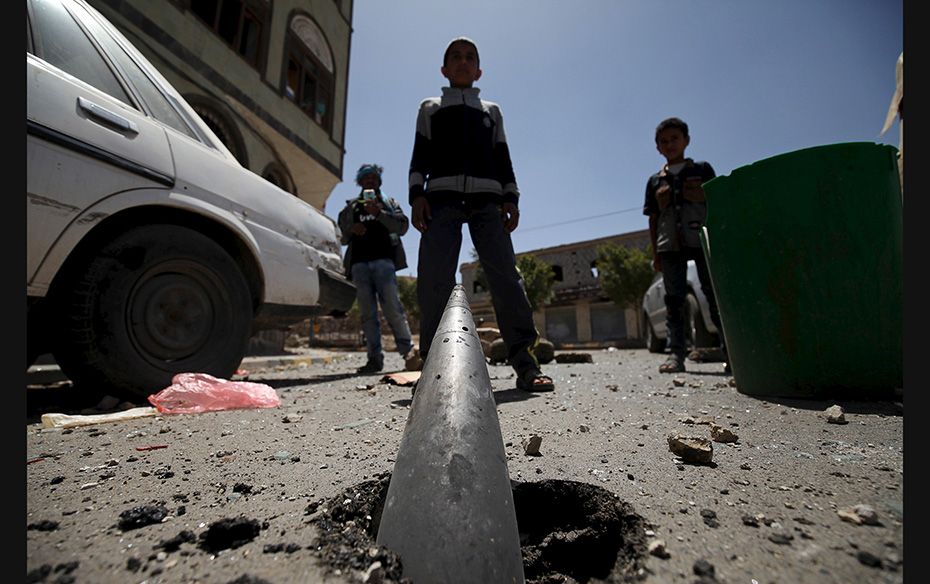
x=369, y=195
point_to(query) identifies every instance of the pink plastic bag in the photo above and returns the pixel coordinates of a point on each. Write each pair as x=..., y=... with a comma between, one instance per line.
x=194, y=393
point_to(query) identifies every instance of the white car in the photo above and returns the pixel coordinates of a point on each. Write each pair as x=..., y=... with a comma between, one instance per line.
x=700, y=331
x=151, y=251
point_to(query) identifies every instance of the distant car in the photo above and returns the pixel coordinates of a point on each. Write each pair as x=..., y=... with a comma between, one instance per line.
x=150, y=250
x=700, y=330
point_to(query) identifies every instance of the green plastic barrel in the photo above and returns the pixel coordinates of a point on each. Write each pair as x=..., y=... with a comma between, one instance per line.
x=805, y=257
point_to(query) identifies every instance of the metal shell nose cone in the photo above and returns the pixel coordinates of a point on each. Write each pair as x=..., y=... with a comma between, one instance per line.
x=449, y=509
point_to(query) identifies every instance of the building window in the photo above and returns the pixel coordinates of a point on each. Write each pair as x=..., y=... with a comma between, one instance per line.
x=213, y=114
x=238, y=22
x=557, y=270
x=308, y=78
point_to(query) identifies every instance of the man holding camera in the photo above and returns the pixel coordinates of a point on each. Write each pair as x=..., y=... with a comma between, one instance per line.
x=371, y=226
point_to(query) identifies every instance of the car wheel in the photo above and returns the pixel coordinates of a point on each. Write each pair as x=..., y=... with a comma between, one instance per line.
x=155, y=301
x=699, y=335
x=653, y=343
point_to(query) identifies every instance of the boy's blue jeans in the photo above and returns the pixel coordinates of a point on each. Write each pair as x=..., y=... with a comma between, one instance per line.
x=438, y=260
x=675, y=278
x=375, y=282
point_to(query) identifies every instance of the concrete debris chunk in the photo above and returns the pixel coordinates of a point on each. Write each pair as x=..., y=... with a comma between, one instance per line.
x=55, y=420
x=692, y=420
x=657, y=549
x=781, y=538
x=374, y=574
x=859, y=514
x=574, y=358
x=531, y=445
x=402, y=378
x=488, y=333
x=867, y=558
x=710, y=518
x=703, y=568
x=835, y=415
x=498, y=352
x=721, y=434
x=691, y=449
x=866, y=513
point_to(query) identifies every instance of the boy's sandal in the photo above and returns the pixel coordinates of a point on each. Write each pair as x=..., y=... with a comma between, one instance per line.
x=672, y=365
x=534, y=380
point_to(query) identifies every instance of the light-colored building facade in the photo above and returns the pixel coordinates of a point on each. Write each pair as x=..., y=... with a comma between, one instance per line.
x=269, y=76
x=580, y=314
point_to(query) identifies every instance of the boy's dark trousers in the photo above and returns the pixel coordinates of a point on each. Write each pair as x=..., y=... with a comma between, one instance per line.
x=675, y=278
x=438, y=260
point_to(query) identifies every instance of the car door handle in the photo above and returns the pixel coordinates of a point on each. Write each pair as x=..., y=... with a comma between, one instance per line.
x=107, y=117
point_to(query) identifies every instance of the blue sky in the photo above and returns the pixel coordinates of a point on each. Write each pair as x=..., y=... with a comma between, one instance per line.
x=583, y=84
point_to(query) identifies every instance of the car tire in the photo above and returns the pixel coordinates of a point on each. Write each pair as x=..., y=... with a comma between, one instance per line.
x=698, y=334
x=653, y=343
x=155, y=301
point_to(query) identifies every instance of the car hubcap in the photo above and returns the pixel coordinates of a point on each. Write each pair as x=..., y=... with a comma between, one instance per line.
x=172, y=315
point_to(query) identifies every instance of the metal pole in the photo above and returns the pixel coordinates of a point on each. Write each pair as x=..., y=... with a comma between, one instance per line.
x=449, y=510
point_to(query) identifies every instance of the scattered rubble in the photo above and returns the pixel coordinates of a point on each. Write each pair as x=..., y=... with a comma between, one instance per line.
x=703, y=568
x=721, y=434
x=691, y=449
x=781, y=538
x=868, y=559
x=229, y=533
x=710, y=518
x=859, y=514
x=174, y=544
x=692, y=420
x=531, y=445
x=56, y=420
x=835, y=415
x=403, y=378
x=657, y=548
x=574, y=358
x=142, y=515
x=248, y=579
x=288, y=548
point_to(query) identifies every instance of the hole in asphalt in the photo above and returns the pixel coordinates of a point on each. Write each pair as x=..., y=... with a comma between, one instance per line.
x=568, y=530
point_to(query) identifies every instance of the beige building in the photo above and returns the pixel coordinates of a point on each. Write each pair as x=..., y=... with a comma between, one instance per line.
x=580, y=314
x=269, y=77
